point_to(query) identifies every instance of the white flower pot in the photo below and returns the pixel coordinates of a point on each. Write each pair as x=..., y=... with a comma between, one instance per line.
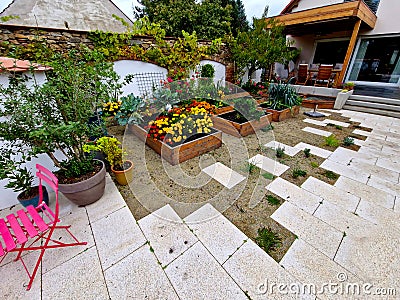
x=341, y=99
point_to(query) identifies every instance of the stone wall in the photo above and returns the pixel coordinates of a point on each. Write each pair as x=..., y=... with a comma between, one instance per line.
x=64, y=40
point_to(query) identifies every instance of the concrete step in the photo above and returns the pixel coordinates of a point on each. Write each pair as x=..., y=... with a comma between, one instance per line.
x=374, y=105
x=372, y=111
x=375, y=99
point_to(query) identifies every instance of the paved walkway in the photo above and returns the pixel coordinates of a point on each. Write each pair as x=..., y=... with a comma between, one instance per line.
x=347, y=245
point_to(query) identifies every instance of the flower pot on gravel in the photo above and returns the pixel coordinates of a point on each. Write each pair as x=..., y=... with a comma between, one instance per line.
x=34, y=198
x=124, y=176
x=86, y=191
x=341, y=98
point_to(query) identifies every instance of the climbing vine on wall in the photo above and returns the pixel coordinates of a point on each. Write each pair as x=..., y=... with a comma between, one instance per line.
x=178, y=56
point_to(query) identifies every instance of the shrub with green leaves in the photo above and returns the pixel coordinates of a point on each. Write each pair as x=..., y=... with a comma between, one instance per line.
x=314, y=164
x=348, y=141
x=207, y=71
x=130, y=110
x=268, y=240
x=280, y=152
x=331, y=175
x=307, y=152
x=247, y=107
x=281, y=96
x=332, y=141
x=298, y=173
x=273, y=200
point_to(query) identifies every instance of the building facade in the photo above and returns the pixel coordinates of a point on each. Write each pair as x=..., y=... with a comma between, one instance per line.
x=362, y=37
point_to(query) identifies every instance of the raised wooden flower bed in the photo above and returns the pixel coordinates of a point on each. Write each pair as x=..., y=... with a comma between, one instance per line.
x=223, y=123
x=281, y=115
x=180, y=153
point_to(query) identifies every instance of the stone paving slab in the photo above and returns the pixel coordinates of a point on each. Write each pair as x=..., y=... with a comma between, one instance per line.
x=292, y=193
x=312, y=267
x=167, y=234
x=344, y=156
x=384, y=185
x=345, y=170
x=256, y=272
x=343, y=220
x=374, y=263
x=314, y=150
x=197, y=275
x=334, y=122
x=79, y=278
x=267, y=164
x=331, y=194
x=318, y=234
x=224, y=175
x=317, y=131
x=315, y=122
x=291, y=151
x=378, y=215
x=115, y=242
x=139, y=276
x=392, y=163
x=374, y=170
x=215, y=232
x=366, y=192
x=396, y=207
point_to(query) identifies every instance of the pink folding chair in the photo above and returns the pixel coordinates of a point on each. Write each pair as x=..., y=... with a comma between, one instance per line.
x=22, y=230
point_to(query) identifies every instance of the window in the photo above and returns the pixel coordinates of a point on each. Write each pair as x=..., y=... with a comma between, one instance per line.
x=332, y=52
x=373, y=4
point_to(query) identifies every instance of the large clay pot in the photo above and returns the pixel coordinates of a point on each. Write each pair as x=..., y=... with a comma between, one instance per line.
x=125, y=176
x=87, y=191
x=34, y=200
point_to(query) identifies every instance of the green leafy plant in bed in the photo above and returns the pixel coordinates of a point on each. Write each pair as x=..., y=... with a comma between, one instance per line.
x=273, y=200
x=331, y=175
x=268, y=240
x=307, y=152
x=280, y=152
x=282, y=96
x=247, y=107
x=297, y=172
x=332, y=141
x=348, y=141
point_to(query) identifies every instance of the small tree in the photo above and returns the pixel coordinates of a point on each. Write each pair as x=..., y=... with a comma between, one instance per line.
x=260, y=47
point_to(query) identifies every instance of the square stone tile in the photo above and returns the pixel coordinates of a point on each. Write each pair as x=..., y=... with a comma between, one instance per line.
x=259, y=278
x=139, y=276
x=110, y=202
x=197, y=275
x=345, y=170
x=315, y=122
x=365, y=192
x=14, y=279
x=224, y=175
x=79, y=278
x=267, y=164
x=318, y=234
x=116, y=236
x=215, y=232
x=343, y=124
x=291, y=151
x=314, y=150
x=80, y=227
x=317, y=131
x=297, y=196
x=331, y=194
x=344, y=156
x=309, y=265
x=168, y=235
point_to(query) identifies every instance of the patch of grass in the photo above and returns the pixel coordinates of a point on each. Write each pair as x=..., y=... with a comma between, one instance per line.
x=314, y=164
x=268, y=240
x=348, y=141
x=269, y=176
x=339, y=127
x=279, y=152
x=250, y=167
x=273, y=200
x=331, y=175
x=307, y=152
x=332, y=141
x=297, y=172
x=268, y=128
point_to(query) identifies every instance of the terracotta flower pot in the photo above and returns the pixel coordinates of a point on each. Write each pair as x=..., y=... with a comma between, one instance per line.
x=124, y=177
x=87, y=191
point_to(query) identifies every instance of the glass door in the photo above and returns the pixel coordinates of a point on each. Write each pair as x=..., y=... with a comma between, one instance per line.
x=377, y=60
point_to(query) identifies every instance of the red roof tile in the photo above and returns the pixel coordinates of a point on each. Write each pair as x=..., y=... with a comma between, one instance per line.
x=17, y=65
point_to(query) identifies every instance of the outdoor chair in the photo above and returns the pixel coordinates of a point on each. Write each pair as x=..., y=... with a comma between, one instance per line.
x=23, y=231
x=302, y=74
x=324, y=76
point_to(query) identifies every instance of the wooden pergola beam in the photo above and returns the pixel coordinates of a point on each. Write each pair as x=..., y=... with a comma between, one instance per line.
x=350, y=50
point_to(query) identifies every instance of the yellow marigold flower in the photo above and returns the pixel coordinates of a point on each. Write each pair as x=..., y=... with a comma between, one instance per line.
x=184, y=137
x=199, y=130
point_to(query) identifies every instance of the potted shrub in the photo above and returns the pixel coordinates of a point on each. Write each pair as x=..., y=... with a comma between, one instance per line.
x=20, y=179
x=283, y=101
x=52, y=118
x=122, y=169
